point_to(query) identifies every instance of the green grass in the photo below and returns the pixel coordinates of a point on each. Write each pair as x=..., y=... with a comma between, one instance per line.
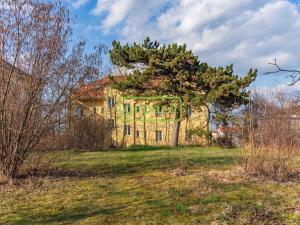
x=140, y=186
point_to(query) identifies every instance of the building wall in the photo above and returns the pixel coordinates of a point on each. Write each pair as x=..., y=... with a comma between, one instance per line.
x=142, y=131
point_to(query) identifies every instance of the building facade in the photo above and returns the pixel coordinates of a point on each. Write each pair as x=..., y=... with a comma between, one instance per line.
x=138, y=120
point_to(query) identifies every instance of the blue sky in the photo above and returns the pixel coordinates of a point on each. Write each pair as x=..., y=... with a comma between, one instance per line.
x=246, y=33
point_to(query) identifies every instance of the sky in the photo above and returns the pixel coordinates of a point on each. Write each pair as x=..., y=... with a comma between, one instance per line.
x=245, y=33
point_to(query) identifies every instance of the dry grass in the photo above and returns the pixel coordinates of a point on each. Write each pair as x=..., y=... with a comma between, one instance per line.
x=273, y=140
x=271, y=162
x=136, y=186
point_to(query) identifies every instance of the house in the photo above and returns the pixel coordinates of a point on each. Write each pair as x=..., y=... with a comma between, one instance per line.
x=14, y=83
x=137, y=120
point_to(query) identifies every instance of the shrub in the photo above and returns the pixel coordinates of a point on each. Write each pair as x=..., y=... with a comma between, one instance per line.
x=272, y=140
x=90, y=132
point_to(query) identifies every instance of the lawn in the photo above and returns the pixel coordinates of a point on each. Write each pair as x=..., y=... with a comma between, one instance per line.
x=150, y=186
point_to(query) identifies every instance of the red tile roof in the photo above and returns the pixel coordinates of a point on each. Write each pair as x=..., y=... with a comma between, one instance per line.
x=95, y=90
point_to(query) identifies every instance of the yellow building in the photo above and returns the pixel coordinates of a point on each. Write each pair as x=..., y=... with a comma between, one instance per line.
x=137, y=120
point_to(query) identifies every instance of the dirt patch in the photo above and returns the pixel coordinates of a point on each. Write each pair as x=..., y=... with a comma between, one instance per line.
x=234, y=175
x=180, y=171
x=251, y=215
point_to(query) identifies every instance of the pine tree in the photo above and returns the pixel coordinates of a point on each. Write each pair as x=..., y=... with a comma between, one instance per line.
x=173, y=65
x=224, y=90
x=180, y=74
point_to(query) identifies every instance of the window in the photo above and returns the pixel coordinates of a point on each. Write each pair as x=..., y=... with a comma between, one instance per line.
x=127, y=108
x=111, y=123
x=95, y=110
x=138, y=108
x=79, y=111
x=127, y=130
x=137, y=133
x=189, y=111
x=102, y=110
x=110, y=102
x=158, y=135
x=158, y=111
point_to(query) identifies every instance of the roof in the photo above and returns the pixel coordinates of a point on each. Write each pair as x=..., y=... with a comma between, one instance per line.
x=95, y=90
x=233, y=129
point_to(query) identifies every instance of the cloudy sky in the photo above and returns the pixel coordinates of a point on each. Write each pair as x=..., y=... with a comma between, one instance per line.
x=246, y=33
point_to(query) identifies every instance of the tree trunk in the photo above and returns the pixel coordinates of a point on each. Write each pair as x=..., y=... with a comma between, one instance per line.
x=208, y=125
x=175, y=136
x=144, y=121
x=134, y=124
x=9, y=174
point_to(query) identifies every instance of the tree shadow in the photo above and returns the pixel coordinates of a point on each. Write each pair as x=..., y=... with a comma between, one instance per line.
x=69, y=215
x=143, y=148
x=129, y=168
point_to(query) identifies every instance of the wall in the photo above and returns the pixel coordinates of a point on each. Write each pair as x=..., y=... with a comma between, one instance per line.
x=137, y=121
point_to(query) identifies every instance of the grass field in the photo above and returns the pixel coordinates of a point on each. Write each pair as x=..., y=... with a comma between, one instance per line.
x=149, y=186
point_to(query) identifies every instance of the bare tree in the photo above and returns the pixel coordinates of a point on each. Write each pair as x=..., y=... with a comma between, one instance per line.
x=294, y=75
x=272, y=128
x=38, y=66
x=90, y=132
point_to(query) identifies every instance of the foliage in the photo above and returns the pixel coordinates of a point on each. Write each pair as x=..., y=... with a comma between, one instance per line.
x=224, y=89
x=154, y=69
x=201, y=133
x=157, y=70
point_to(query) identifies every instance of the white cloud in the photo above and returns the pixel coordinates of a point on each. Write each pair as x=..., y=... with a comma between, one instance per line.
x=247, y=33
x=132, y=12
x=78, y=3
x=116, y=10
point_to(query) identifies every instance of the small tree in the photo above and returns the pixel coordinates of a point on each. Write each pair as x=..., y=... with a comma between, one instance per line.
x=221, y=92
x=37, y=69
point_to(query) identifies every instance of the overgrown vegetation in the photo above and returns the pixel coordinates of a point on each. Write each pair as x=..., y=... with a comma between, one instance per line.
x=90, y=133
x=272, y=136
x=38, y=68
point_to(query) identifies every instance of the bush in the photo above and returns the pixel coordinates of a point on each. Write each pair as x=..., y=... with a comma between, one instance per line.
x=90, y=132
x=272, y=138
x=272, y=162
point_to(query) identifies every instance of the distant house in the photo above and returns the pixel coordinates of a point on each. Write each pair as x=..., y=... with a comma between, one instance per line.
x=19, y=75
x=135, y=121
x=18, y=80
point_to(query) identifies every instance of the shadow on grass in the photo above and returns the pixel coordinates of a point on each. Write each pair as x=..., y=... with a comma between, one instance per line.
x=131, y=168
x=162, y=207
x=143, y=148
x=69, y=216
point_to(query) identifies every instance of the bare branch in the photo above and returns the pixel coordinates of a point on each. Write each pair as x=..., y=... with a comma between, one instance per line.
x=38, y=68
x=294, y=75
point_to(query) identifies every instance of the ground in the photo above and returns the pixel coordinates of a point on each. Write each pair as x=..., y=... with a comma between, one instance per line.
x=191, y=185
